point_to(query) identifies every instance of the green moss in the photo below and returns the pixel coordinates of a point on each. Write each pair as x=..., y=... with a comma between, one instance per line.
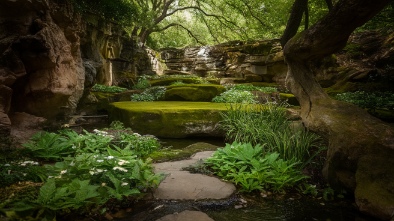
x=169, y=81
x=264, y=84
x=193, y=92
x=180, y=154
x=170, y=119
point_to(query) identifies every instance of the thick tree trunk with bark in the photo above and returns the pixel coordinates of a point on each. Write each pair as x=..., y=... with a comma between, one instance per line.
x=360, y=157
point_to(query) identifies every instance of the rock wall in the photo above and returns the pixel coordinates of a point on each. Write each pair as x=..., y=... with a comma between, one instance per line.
x=253, y=61
x=50, y=55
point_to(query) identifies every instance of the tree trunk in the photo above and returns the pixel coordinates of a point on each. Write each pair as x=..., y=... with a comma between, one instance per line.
x=361, y=147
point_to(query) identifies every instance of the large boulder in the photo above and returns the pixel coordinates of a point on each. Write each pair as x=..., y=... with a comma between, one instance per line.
x=193, y=92
x=170, y=119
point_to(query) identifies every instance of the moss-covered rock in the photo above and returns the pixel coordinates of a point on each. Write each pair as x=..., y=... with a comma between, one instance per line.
x=169, y=80
x=170, y=119
x=193, y=92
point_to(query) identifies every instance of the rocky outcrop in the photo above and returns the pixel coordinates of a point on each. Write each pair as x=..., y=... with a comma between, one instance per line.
x=46, y=75
x=251, y=61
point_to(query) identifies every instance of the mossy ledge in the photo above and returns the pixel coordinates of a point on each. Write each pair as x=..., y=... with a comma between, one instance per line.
x=170, y=119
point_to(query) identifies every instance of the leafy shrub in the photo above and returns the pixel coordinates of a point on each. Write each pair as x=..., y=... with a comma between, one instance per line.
x=48, y=146
x=107, y=89
x=247, y=87
x=376, y=100
x=235, y=96
x=13, y=172
x=268, y=125
x=104, y=165
x=250, y=168
x=150, y=94
x=142, y=83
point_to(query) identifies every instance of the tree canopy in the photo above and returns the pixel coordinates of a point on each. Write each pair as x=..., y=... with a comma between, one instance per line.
x=179, y=23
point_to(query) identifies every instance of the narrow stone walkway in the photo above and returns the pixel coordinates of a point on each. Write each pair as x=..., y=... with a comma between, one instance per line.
x=182, y=185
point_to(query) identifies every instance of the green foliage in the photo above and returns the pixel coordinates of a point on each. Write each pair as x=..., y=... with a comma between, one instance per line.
x=107, y=89
x=384, y=21
x=48, y=146
x=249, y=167
x=104, y=165
x=369, y=100
x=247, y=87
x=120, y=11
x=177, y=83
x=268, y=125
x=14, y=172
x=150, y=94
x=142, y=83
x=235, y=96
x=241, y=93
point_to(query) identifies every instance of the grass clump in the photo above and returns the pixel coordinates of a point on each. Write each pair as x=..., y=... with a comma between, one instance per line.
x=242, y=93
x=267, y=153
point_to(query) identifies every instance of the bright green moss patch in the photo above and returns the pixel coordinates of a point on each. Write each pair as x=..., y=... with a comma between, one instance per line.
x=170, y=119
x=169, y=81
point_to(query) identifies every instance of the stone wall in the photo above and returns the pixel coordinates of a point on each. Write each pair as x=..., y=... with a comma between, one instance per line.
x=50, y=55
x=256, y=61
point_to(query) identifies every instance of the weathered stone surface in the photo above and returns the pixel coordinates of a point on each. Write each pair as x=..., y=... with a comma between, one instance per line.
x=24, y=126
x=193, y=92
x=183, y=185
x=186, y=215
x=170, y=119
x=375, y=184
x=232, y=60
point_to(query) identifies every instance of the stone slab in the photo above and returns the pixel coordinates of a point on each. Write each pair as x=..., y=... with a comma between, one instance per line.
x=186, y=215
x=182, y=185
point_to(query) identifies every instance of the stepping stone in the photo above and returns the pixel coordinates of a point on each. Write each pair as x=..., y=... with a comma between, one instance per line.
x=186, y=215
x=182, y=185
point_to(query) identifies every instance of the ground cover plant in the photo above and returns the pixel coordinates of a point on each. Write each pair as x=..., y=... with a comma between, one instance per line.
x=267, y=152
x=242, y=93
x=107, y=89
x=369, y=100
x=96, y=168
x=150, y=94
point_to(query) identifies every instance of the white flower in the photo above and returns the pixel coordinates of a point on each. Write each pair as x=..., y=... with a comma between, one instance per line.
x=110, y=157
x=74, y=147
x=137, y=134
x=63, y=172
x=124, y=184
x=100, y=161
x=103, y=184
x=91, y=172
x=49, y=177
x=7, y=165
x=121, y=169
x=99, y=170
x=72, y=163
x=23, y=164
x=24, y=174
x=121, y=162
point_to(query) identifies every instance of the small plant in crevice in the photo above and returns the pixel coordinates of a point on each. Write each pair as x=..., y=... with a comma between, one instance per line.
x=150, y=94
